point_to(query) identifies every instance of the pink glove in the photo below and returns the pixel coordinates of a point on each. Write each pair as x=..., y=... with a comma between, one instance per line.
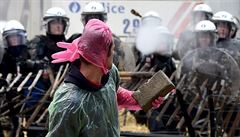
x=71, y=54
x=125, y=100
x=157, y=102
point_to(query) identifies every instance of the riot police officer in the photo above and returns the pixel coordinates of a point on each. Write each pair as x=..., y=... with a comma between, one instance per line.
x=186, y=39
x=224, y=22
x=41, y=47
x=14, y=61
x=206, y=34
x=56, y=24
x=150, y=20
x=154, y=45
x=14, y=40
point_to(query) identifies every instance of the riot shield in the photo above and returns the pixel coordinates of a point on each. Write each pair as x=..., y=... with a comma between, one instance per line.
x=216, y=66
x=232, y=47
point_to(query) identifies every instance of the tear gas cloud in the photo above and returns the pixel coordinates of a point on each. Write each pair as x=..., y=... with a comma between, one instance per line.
x=186, y=42
x=151, y=40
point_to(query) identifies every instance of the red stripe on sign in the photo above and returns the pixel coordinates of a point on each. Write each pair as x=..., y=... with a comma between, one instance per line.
x=182, y=26
x=178, y=14
x=185, y=22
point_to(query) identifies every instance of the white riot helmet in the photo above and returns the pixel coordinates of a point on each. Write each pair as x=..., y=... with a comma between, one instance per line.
x=203, y=8
x=205, y=26
x=56, y=13
x=93, y=10
x=14, y=28
x=201, y=12
x=151, y=18
x=223, y=16
x=226, y=18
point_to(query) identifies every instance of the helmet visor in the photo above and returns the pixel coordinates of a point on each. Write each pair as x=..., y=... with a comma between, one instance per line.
x=14, y=37
x=56, y=25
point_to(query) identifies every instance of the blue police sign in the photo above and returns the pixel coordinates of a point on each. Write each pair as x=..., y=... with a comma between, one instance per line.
x=74, y=7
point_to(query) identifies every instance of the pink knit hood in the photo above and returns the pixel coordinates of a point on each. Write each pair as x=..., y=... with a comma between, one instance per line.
x=93, y=46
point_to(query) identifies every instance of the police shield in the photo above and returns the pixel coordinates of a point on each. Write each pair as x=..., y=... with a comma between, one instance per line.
x=232, y=47
x=213, y=65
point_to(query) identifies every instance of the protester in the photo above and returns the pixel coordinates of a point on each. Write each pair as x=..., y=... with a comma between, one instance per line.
x=86, y=103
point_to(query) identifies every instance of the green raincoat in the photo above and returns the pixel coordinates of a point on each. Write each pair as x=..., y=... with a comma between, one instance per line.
x=75, y=112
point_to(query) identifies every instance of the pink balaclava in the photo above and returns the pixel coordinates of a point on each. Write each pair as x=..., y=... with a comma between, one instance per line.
x=93, y=46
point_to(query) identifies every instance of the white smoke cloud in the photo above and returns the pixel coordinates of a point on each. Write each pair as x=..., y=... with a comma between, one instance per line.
x=154, y=40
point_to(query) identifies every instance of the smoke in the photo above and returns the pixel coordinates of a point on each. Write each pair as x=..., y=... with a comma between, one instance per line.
x=154, y=39
x=186, y=42
x=146, y=41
